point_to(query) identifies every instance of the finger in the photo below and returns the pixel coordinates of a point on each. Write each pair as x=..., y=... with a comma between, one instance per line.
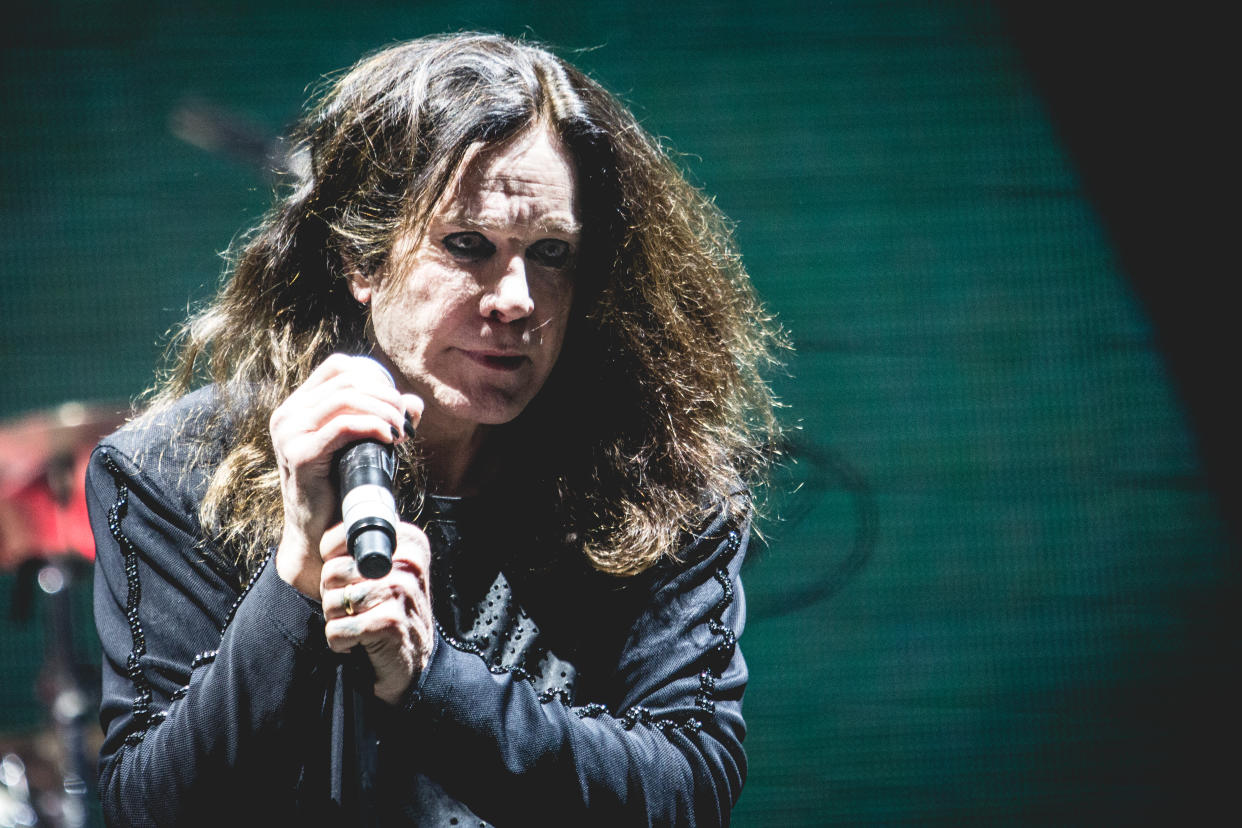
x=411, y=538
x=338, y=567
x=310, y=447
x=338, y=364
x=307, y=410
x=350, y=601
x=334, y=544
x=343, y=633
x=304, y=431
x=376, y=619
x=334, y=402
x=413, y=407
x=347, y=377
x=364, y=613
x=334, y=365
x=339, y=571
x=349, y=383
x=413, y=552
x=347, y=593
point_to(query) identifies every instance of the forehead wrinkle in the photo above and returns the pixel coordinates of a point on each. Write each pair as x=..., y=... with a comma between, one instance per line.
x=491, y=171
x=511, y=183
x=522, y=205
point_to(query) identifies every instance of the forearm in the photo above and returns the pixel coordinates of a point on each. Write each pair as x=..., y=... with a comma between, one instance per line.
x=186, y=708
x=655, y=740
x=640, y=766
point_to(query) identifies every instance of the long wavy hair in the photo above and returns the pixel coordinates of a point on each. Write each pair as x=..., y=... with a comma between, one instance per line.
x=657, y=412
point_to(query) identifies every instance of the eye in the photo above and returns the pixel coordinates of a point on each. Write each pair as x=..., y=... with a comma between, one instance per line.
x=469, y=245
x=550, y=253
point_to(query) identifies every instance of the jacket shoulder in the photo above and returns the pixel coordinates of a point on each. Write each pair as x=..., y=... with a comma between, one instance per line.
x=173, y=449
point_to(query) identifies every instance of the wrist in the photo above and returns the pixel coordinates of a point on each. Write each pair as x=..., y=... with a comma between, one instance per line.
x=298, y=564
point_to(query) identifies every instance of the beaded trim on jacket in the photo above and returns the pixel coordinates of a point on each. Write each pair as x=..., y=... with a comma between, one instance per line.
x=143, y=714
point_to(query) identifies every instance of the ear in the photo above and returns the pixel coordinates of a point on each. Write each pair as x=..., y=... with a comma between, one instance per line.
x=360, y=284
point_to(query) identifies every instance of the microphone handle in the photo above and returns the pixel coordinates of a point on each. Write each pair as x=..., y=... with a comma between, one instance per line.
x=368, y=508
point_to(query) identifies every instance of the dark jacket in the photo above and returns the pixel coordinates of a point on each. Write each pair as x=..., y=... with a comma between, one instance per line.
x=552, y=692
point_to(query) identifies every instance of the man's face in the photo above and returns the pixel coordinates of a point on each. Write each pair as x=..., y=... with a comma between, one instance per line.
x=472, y=317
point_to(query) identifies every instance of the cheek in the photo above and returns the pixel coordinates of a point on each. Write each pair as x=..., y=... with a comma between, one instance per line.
x=557, y=301
x=566, y=308
x=424, y=300
x=398, y=325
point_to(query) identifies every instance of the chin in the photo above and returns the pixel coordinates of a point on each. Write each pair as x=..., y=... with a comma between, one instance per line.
x=501, y=414
x=489, y=409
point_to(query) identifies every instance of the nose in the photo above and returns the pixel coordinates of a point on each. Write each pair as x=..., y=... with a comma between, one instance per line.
x=508, y=299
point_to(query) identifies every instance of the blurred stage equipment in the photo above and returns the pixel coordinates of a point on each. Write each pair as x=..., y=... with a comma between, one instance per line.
x=222, y=132
x=45, y=539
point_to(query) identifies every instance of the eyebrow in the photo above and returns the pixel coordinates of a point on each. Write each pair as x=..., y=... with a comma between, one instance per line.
x=552, y=224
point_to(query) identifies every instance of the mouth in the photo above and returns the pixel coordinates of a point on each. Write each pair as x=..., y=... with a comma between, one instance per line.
x=497, y=360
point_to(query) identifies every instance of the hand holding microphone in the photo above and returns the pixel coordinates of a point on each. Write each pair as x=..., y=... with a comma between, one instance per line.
x=333, y=441
x=318, y=435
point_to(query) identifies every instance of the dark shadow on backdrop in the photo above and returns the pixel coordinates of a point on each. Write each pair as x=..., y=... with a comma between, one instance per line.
x=810, y=473
x=1142, y=98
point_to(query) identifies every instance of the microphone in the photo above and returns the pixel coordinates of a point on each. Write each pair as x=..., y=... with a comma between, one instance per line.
x=365, y=470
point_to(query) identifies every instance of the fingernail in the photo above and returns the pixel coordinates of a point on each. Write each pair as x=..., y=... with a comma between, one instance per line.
x=395, y=434
x=409, y=425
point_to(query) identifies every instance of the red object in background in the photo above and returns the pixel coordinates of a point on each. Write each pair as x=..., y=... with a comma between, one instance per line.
x=42, y=481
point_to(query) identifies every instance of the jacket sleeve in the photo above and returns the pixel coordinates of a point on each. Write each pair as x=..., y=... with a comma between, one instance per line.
x=191, y=715
x=666, y=750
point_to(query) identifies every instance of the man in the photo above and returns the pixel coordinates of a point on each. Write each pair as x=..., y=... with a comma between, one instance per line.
x=571, y=355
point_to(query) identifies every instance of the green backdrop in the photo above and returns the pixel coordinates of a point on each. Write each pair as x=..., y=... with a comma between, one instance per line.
x=998, y=553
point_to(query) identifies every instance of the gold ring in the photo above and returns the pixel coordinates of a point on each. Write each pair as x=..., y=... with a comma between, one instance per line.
x=349, y=605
